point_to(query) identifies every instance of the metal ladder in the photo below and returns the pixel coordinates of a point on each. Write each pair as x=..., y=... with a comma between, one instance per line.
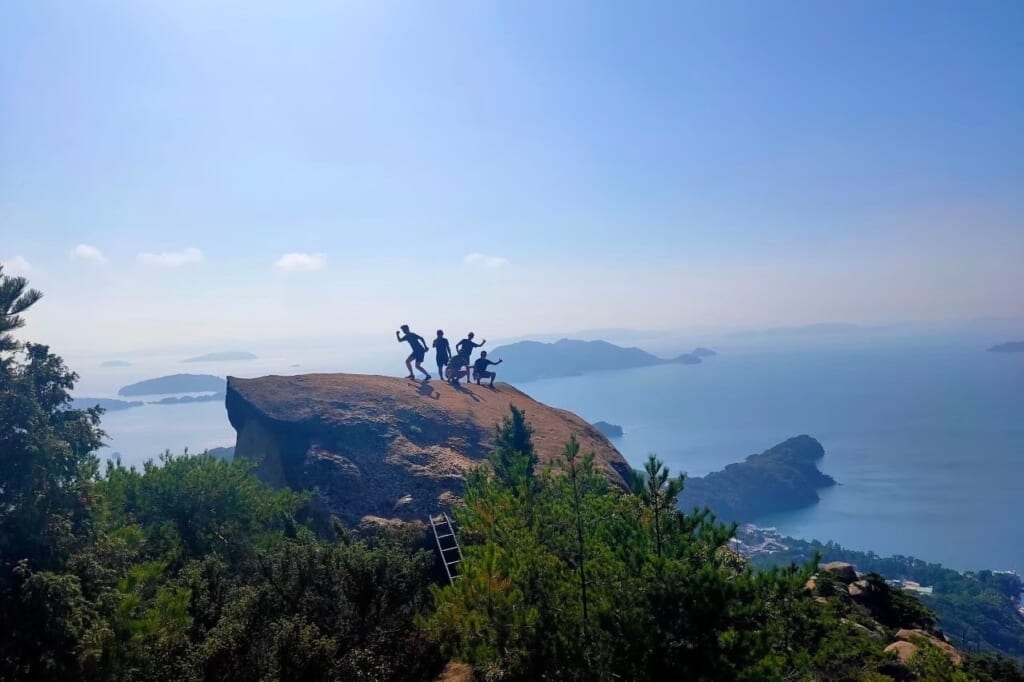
x=447, y=544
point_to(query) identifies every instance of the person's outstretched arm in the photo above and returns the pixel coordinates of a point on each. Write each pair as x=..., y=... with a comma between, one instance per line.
x=398, y=335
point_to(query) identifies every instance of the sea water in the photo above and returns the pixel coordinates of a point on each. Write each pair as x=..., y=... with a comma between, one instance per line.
x=927, y=444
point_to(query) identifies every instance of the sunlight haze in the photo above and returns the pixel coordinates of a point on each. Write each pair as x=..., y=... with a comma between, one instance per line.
x=180, y=173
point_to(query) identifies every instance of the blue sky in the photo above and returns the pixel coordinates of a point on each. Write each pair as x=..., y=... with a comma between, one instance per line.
x=206, y=172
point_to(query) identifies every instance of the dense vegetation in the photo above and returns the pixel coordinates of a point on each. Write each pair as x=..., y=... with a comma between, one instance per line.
x=192, y=569
x=976, y=609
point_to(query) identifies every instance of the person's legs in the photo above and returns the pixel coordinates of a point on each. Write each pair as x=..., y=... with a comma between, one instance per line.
x=408, y=366
x=419, y=364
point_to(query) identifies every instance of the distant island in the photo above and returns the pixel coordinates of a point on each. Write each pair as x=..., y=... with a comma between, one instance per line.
x=782, y=478
x=115, y=363
x=529, y=360
x=1008, y=347
x=226, y=453
x=608, y=430
x=108, y=404
x=175, y=383
x=173, y=400
x=223, y=356
x=703, y=352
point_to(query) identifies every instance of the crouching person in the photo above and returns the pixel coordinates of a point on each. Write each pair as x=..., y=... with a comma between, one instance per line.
x=480, y=369
x=457, y=368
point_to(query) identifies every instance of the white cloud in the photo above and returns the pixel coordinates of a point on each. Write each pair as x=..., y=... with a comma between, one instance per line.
x=89, y=254
x=17, y=266
x=484, y=261
x=171, y=259
x=300, y=262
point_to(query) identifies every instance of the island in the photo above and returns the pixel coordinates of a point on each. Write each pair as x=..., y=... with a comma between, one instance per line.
x=1008, y=347
x=223, y=356
x=608, y=430
x=226, y=453
x=530, y=360
x=175, y=383
x=781, y=478
x=115, y=363
x=108, y=404
x=703, y=352
x=182, y=400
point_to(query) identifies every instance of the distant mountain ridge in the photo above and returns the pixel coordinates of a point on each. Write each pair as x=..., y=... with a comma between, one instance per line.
x=529, y=360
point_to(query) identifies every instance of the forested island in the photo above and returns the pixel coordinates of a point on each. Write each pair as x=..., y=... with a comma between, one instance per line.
x=108, y=404
x=779, y=479
x=175, y=383
x=185, y=399
x=530, y=360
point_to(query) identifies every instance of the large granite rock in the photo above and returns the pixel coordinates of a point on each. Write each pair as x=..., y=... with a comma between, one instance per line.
x=385, y=447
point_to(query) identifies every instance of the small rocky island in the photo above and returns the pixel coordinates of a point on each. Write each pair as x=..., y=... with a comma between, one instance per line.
x=1008, y=347
x=782, y=478
x=609, y=430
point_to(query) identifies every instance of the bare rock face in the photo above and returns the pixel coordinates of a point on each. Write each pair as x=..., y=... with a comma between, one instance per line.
x=389, y=448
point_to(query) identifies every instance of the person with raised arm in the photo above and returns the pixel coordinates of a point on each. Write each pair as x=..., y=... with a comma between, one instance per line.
x=480, y=369
x=419, y=351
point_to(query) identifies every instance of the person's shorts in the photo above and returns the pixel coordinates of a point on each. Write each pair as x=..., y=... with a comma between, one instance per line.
x=485, y=375
x=418, y=355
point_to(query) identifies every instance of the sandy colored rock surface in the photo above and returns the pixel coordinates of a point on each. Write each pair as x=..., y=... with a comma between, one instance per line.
x=386, y=447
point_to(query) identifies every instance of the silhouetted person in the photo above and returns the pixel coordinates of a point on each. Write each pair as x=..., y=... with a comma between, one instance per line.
x=480, y=369
x=457, y=368
x=444, y=352
x=466, y=346
x=419, y=350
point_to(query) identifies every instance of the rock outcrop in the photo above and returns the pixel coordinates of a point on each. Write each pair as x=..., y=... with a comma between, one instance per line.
x=385, y=447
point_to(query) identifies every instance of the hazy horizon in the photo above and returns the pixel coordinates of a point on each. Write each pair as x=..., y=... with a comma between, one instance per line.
x=185, y=174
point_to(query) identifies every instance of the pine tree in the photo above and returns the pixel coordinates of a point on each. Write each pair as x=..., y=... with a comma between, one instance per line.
x=15, y=299
x=659, y=492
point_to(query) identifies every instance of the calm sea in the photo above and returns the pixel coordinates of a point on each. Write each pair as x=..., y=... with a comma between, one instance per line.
x=927, y=444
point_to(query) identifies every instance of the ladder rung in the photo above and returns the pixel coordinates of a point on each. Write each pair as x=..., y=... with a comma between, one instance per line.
x=452, y=563
x=447, y=535
x=449, y=549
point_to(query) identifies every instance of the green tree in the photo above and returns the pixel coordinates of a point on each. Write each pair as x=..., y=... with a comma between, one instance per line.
x=15, y=299
x=659, y=492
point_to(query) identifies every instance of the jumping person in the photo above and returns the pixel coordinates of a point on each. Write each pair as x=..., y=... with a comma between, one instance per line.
x=419, y=351
x=444, y=352
x=480, y=369
x=466, y=346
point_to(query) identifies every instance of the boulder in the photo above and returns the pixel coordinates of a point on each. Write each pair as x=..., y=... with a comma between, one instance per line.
x=390, y=448
x=954, y=654
x=840, y=570
x=905, y=651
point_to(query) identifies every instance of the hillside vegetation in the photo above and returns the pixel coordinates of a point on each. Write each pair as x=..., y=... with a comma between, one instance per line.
x=193, y=569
